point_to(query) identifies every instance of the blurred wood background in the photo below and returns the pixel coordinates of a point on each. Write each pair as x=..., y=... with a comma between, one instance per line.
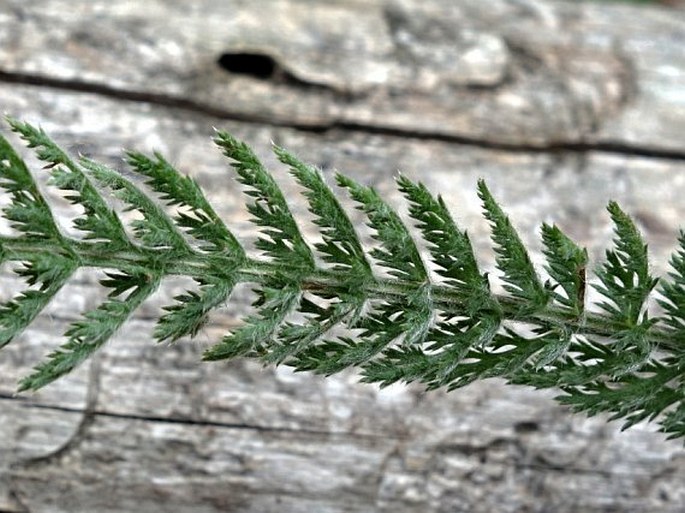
x=560, y=106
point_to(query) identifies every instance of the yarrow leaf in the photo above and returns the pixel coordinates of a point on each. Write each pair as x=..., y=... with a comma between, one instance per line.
x=324, y=307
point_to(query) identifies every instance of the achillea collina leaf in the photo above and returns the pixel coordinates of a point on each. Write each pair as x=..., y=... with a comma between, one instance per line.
x=327, y=307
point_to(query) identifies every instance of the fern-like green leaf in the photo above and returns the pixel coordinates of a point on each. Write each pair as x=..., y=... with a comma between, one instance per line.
x=404, y=325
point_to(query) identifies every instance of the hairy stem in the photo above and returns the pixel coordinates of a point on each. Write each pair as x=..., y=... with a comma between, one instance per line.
x=194, y=264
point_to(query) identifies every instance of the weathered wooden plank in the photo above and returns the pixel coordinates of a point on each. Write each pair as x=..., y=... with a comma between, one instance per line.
x=238, y=437
x=27, y=431
x=235, y=437
x=529, y=73
x=160, y=467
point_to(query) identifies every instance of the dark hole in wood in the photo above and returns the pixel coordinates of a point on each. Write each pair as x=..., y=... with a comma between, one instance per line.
x=526, y=427
x=252, y=64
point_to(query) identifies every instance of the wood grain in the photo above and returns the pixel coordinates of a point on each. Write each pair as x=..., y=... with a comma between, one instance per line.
x=532, y=72
x=559, y=106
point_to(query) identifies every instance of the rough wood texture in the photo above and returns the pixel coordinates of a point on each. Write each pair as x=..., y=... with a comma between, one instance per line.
x=525, y=72
x=559, y=106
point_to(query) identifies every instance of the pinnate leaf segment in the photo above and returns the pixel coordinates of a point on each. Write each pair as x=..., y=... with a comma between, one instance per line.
x=324, y=307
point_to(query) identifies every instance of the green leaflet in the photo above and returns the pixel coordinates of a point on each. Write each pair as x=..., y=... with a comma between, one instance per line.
x=673, y=292
x=88, y=335
x=276, y=301
x=520, y=278
x=201, y=222
x=450, y=248
x=99, y=220
x=341, y=245
x=50, y=272
x=626, y=283
x=28, y=212
x=283, y=241
x=323, y=307
x=567, y=267
x=398, y=252
x=625, y=279
x=156, y=229
x=191, y=310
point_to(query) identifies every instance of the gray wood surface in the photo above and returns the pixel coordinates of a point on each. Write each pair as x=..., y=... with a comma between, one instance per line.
x=560, y=106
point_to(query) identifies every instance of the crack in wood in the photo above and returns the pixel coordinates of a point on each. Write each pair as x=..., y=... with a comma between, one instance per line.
x=18, y=506
x=71, y=444
x=95, y=413
x=464, y=449
x=573, y=146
